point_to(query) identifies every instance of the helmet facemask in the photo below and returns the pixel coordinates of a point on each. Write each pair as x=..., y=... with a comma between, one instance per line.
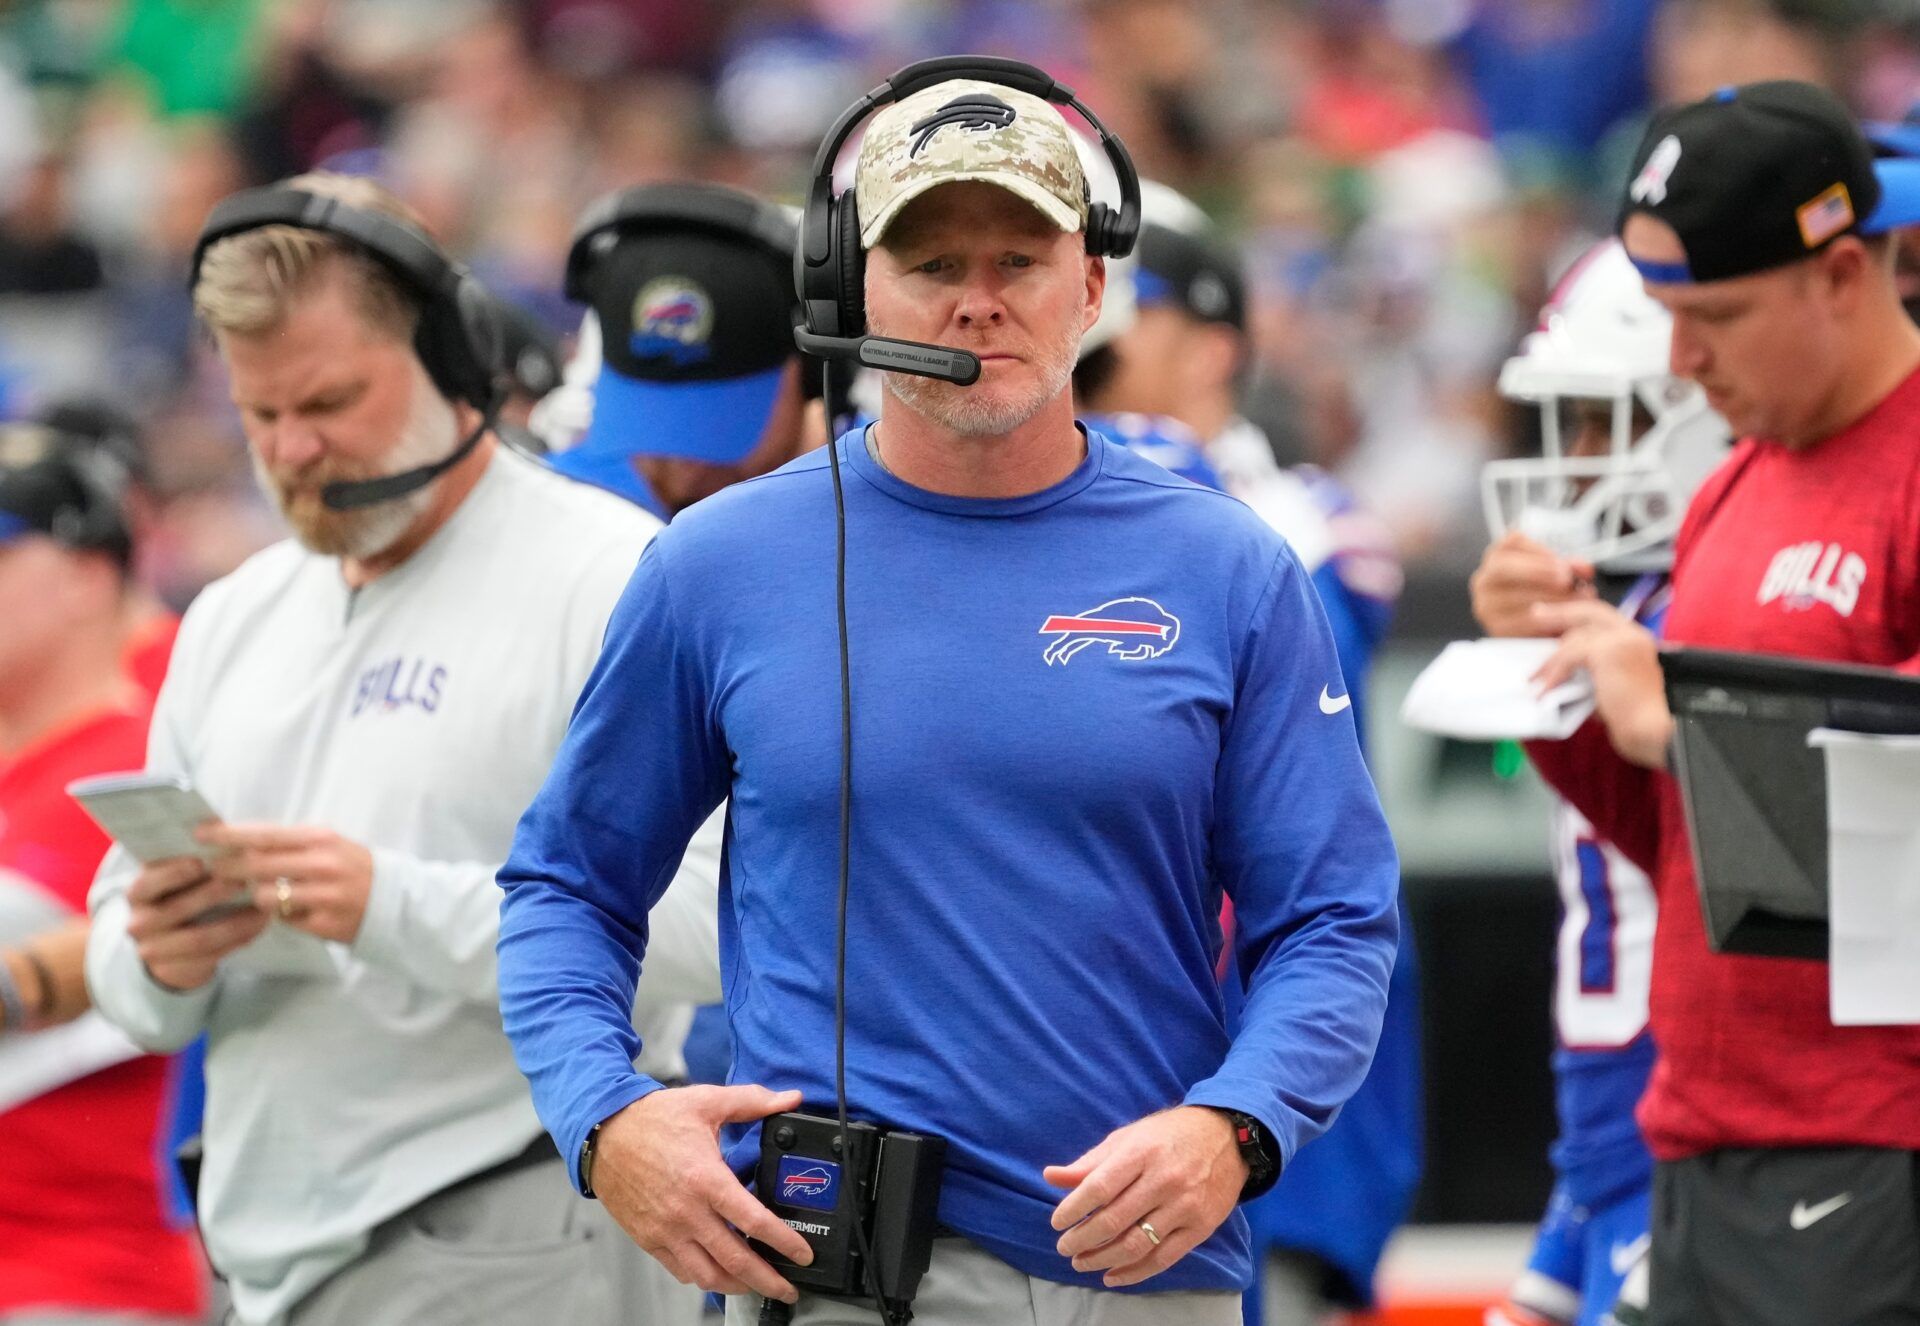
x=1612, y=495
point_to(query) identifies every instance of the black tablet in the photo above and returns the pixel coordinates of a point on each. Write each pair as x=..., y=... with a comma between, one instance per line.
x=1756, y=793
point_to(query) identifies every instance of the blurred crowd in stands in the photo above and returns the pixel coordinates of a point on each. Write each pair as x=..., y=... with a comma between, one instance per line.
x=1406, y=175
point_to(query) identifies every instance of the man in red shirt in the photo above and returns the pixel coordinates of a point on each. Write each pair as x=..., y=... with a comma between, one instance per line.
x=83, y=1236
x=1786, y=1189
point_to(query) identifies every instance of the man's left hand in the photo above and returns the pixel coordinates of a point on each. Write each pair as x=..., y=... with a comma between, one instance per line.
x=309, y=877
x=1623, y=659
x=1179, y=1171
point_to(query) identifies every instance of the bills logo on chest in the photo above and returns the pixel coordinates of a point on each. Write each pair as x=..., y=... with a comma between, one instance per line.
x=396, y=684
x=1131, y=628
x=1804, y=575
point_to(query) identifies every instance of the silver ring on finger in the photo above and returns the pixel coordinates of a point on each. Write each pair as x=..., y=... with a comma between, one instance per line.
x=283, y=895
x=1153, y=1236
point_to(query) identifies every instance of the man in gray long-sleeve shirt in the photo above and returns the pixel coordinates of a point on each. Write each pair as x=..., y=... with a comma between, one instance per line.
x=370, y=706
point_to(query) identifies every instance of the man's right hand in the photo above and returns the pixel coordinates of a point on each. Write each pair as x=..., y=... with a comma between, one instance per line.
x=163, y=902
x=657, y=1169
x=1518, y=572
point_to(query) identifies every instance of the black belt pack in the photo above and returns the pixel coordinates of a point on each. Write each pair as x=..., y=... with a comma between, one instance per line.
x=885, y=1180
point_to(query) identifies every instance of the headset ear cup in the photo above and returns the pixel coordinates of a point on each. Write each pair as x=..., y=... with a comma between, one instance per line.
x=484, y=336
x=1099, y=230
x=851, y=263
x=460, y=341
x=436, y=340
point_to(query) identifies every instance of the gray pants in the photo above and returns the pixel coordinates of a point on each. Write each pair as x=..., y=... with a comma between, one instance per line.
x=1291, y=1292
x=508, y=1248
x=968, y=1287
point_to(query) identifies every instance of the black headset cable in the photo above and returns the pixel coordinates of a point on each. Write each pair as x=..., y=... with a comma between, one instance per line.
x=846, y=842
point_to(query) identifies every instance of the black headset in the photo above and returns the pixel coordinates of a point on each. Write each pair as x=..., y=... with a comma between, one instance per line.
x=99, y=476
x=681, y=206
x=458, y=337
x=829, y=268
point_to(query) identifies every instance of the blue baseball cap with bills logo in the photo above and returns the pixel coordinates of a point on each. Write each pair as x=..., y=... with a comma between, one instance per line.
x=1762, y=175
x=696, y=334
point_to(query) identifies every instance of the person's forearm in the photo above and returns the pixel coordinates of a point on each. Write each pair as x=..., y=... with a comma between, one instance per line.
x=567, y=982
x=1315, y=1003
x=434, y=923
x=1644, y=736
x=1617, y=796
x=50, y=972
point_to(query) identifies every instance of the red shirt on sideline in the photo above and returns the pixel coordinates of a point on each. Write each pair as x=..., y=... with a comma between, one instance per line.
x=1813, y=554
x=82, y=1223
x=149, y=649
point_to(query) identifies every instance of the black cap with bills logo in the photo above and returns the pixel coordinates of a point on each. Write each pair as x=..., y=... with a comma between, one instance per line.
x=1191, y=272
x=696, y=332
x=1759, y=176
x=65, y=487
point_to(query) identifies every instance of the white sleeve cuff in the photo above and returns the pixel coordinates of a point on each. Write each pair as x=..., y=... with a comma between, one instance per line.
x=154, y=1016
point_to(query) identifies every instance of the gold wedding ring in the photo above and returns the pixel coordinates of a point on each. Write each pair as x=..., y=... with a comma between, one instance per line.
x=283, y=890
x=1146, y=1227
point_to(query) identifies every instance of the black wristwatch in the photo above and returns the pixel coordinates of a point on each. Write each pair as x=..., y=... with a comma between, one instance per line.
x=588, y=1149
x=1257, y=1149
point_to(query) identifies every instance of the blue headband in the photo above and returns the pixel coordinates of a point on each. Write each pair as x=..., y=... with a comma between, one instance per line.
x=1663, y=273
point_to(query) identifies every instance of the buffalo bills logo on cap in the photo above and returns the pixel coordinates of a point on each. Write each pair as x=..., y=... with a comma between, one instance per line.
x=1130, y=628
x=978, y=111
x=1650, y=185
x=672, y=319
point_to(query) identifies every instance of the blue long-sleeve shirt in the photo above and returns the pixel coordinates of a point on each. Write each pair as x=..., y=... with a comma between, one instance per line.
x=1079, y=716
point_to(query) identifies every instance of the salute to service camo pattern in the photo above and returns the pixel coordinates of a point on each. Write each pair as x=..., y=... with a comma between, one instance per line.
x=964, y=129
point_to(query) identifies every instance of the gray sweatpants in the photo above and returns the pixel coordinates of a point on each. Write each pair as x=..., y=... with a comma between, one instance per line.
x=965, y=1286
x=510, y=1248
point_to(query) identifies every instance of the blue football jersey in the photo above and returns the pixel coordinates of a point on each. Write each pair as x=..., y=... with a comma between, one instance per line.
x=1603, y=972
x=1166, y=442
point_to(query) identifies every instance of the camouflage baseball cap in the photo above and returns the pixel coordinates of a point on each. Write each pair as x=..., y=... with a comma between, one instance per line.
x=965, y=129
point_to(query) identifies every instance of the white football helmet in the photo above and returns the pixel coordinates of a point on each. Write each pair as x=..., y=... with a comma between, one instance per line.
x=1603, y=339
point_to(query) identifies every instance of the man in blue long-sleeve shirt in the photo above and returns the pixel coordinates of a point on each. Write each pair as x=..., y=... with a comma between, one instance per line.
x=1088, y=698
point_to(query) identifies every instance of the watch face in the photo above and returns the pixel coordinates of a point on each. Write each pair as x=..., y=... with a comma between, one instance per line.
x=1253, y=1142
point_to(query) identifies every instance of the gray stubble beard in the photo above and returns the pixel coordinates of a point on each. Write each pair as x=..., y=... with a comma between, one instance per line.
x=963, y=412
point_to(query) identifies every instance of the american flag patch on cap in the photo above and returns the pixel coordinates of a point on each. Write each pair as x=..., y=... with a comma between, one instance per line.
x=1826, y=216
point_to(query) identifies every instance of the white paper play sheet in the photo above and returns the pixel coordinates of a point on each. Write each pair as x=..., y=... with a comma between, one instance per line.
x=1873, y=871
x=1483, y=690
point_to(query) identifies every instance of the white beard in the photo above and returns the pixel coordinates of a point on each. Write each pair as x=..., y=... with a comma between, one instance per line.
x=975, y=412
x=432, y=431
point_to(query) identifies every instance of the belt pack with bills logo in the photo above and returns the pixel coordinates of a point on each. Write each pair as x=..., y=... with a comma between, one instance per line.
x=886, y=1180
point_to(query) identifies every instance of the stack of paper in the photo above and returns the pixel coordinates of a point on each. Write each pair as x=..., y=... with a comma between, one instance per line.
x=1483, y=690
x=1873, y=874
